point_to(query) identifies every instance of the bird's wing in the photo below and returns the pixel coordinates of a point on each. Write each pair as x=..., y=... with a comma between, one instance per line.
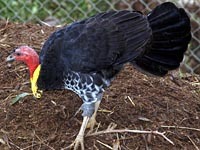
x=97, y=43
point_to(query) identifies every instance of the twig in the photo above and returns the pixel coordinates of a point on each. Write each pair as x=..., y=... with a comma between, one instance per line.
x=133, y=131
x=177, y=127
x=116, y=144
x=105, y=111
x=111, y=129
x=33, y=144
x=9, y=143
x=131, y=101
x=109, y=147
x=193, y=143
x=15, y=145
x=2, y=141
x=43, y=142
x=44, y=23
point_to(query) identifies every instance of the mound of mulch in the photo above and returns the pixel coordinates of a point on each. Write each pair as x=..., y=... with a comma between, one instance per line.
x=134, y=101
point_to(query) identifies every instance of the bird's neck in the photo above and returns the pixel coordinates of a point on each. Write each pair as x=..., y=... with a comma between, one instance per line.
x=32, y=65
x=34, y=69
x=33, y=80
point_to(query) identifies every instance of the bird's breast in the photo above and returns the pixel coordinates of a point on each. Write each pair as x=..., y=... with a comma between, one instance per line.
x=84, y=85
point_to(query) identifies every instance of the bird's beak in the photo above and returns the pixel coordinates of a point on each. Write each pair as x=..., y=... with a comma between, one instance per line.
x=10, y=58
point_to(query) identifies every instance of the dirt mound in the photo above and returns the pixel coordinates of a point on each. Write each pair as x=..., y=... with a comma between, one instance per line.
x=134, y=101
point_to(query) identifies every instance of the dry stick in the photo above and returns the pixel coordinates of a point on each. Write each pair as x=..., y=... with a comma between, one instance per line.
x=177, y=127
x=43, y=142
x=193, y=143
x=109, y=147
x=8, y=142
x=44, y=23
x=33, y=144
x=131, y=101
x=15, y=145
x=112, y=130
x=116, y=144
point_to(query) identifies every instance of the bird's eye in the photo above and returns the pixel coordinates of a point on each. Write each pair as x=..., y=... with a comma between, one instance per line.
x=18, y=54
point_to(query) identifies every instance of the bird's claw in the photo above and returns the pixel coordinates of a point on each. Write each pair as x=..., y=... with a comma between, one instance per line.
x=78, y=141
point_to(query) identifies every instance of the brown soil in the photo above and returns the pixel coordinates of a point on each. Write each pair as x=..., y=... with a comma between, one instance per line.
x=49, y=123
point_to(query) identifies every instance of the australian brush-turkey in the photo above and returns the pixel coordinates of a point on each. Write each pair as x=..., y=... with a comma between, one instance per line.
x=86, y=56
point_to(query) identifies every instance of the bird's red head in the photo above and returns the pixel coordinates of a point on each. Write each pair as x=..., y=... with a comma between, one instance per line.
x=26, y=55
x=31, y=59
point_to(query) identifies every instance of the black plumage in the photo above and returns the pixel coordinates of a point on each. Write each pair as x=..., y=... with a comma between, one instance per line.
x=100, y=44
x=170, y=37
x=95, y=49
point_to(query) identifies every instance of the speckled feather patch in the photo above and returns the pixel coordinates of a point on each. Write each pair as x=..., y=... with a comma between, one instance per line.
x=84, y=85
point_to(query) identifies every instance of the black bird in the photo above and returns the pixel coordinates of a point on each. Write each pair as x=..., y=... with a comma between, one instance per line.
x=86, y=56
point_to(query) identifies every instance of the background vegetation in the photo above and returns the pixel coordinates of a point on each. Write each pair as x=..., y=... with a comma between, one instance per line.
x=65, y=11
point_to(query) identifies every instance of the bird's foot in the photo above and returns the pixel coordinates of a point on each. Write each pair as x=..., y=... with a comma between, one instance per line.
x=78, y=141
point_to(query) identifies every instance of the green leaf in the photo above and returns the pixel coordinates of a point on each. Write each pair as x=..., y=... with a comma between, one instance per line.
x=19, y=97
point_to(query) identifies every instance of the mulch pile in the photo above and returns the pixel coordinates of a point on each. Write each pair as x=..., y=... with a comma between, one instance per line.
x=134, y=101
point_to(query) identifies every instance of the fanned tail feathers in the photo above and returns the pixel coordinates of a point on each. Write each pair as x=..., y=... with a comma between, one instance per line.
x=170, y=37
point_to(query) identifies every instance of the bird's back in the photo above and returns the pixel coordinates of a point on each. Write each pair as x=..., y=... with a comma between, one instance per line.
x=98, y=44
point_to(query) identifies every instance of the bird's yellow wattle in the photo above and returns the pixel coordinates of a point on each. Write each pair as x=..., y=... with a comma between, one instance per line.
x=36, y=93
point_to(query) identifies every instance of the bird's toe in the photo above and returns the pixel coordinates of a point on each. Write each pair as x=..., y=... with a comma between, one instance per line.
x=91, y=123
x=78, y=141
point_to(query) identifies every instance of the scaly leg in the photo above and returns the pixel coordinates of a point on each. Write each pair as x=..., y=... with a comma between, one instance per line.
x=92, y=120
x=89, y=115
x=80, y=137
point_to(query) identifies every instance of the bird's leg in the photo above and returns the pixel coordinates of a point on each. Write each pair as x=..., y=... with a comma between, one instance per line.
x=92, y=120
x=80, y=137
x=88, y=110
